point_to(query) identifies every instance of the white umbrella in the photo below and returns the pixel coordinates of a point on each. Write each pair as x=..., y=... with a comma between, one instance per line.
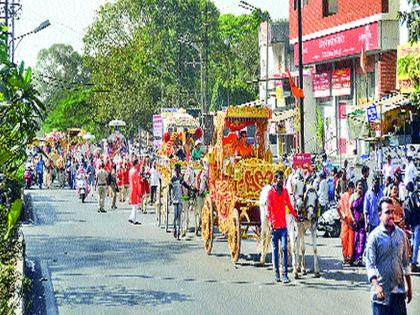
x=88, y=136
x=116, y=123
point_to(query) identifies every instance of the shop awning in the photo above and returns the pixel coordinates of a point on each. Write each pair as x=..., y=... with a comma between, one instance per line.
x=388, y=103
x=281, y=116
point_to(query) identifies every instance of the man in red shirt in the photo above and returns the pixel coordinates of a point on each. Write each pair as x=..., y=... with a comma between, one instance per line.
x=277, y=200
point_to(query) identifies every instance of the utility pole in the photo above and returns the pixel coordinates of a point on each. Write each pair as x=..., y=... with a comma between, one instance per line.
x=206, y=58
x=267, y=21
x=301, y=100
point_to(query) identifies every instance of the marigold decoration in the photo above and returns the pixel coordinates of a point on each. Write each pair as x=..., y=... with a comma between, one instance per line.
x=166, y=137
x=198, y=133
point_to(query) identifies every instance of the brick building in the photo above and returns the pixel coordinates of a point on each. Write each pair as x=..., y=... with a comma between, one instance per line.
x=336, y=35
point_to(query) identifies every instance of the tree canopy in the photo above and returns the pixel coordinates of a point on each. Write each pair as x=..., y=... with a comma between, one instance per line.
x=58, y=68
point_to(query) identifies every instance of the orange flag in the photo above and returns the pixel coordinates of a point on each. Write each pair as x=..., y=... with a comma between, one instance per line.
x=363, y=60
x=297, y=92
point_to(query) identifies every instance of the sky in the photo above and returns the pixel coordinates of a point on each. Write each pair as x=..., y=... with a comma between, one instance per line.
x=70, y=18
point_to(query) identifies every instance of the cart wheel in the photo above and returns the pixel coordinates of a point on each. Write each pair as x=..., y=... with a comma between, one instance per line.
x=207, y=225
x=234, y=236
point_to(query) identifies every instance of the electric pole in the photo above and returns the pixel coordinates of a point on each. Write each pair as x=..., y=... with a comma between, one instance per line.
x=301, y=100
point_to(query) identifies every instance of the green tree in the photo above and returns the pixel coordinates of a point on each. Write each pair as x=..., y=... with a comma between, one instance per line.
x=58, y=68
x=73, y=110
x=20, y=115
x=412, y=19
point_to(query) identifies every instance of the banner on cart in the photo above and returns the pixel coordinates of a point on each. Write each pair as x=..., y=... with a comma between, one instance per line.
x=157, y=131
x=302, y=160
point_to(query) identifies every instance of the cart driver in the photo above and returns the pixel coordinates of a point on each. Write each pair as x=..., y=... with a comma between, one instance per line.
x=244, y=149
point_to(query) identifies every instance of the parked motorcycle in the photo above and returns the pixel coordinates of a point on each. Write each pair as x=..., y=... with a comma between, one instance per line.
x=329, y=222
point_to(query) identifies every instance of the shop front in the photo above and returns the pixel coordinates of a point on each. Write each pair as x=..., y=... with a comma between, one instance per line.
x=346, y=68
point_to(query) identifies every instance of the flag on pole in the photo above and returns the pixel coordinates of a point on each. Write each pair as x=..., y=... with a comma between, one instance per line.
x=363, y=60
x=297, y=92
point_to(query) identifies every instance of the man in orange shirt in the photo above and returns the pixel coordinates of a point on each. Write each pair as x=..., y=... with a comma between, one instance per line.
x=244, y=149
x=277, y=200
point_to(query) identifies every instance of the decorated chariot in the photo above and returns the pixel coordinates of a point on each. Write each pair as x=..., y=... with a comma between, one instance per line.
x=181, y=131
x=239, y=167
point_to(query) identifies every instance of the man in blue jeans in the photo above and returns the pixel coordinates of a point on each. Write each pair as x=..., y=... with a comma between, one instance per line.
x=277, y=200
x=388, y=264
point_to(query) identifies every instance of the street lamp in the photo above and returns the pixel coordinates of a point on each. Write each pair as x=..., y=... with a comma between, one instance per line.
x=245, y=5
x=37, y=29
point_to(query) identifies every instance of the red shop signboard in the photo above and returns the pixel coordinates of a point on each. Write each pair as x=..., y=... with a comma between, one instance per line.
x=345, y=43
x=321, y=84
x=341, y=82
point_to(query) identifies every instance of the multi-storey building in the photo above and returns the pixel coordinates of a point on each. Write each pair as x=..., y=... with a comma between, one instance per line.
x=337, y=34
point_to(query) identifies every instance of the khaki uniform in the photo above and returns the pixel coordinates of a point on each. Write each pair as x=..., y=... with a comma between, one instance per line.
x=101, y=183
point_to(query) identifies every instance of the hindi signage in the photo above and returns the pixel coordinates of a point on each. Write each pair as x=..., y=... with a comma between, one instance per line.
x=345, y=43
x=321, y=84
x=341, y=82
x=157, y=131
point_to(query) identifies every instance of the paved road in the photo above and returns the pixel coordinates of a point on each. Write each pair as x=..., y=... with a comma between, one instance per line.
x=84, y=262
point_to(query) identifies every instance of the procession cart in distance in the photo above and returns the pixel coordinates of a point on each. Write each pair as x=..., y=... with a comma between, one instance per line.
x=179, y=128
x=235, y=181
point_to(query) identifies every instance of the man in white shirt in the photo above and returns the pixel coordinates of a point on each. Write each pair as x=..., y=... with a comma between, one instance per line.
x=388, y=169
x=410, y=171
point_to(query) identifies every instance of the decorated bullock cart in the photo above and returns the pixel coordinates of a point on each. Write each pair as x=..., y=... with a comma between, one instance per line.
x=239, y=167
x=181, y=130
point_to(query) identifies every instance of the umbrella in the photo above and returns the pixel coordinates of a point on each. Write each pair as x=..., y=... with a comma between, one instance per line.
x=88, y=136
x=116, y=123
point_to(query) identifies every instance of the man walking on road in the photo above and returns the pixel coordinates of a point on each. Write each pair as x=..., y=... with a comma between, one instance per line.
x=387, y=263
x=370, y=206
x=101, y=186
x=277, y=200
x=135, y=188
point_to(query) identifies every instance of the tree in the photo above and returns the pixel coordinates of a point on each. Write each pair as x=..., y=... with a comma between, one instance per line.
x=72, y=110
x=412, y=19
x=20, y=115
x=58, y=68
x=143, y=66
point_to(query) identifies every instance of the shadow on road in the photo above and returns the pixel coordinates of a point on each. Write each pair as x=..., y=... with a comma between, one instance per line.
x=76, y=252
x=117, y=296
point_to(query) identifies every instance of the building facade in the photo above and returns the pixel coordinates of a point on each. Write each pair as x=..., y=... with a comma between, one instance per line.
x=350, y=51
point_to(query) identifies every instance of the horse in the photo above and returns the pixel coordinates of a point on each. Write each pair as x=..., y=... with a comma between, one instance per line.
x=307, y=209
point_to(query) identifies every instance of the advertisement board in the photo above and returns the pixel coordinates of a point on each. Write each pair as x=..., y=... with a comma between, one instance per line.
x=157, y=131
x=341, y=82
x=341, y=44
x=321, y=84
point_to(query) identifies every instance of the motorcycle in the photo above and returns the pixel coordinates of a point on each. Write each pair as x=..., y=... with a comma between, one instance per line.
x=82, y=187
x=329, y=222
x=28, y=176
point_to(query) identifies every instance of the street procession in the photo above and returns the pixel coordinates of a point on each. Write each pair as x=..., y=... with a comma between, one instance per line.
x=210, y=157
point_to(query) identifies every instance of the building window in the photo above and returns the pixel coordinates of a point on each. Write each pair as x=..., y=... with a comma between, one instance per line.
x=303, y=3
x=329, y=7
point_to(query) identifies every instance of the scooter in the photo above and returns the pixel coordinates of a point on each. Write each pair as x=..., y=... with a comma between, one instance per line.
x=329, y=222
x=82, y=187
x=28, y=176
